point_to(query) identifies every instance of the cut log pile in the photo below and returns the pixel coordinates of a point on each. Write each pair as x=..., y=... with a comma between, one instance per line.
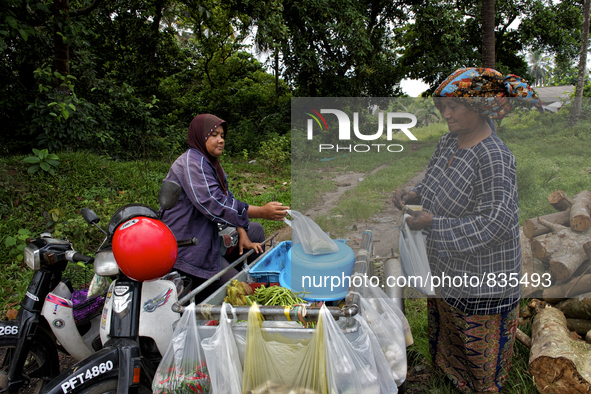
x=557, y=249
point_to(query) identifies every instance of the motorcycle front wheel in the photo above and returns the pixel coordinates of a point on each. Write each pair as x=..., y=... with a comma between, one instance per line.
x=39, y=365
x=110, y=387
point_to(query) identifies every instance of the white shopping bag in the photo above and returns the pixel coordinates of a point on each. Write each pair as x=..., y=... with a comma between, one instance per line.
x=413, y=257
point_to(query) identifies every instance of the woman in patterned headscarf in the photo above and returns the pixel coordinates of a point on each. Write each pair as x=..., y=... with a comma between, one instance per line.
x=206, y=201
x=470, y=215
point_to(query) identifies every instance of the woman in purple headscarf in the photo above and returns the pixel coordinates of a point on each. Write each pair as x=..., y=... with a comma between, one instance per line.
x=471, y=219
x=206, y=201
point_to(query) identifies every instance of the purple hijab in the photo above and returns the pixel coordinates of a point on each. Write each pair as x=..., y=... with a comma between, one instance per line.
x=199, y=131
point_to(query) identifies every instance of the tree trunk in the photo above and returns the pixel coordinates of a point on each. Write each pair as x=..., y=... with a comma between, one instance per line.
x=61, y=50
x=576, y=111
x=559, y=200
x=532, y=228
x=580, y=218
x=488, y=33
x=557, y=363
x=576, y=308
x=572, y=288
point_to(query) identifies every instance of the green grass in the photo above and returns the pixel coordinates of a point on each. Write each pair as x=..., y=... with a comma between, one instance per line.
x=370, y=196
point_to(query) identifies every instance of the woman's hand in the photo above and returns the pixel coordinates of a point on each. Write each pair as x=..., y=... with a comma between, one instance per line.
x=274, y=211
x=245, y=243
x=402, y=197
x=270, y=211
x=418, y=220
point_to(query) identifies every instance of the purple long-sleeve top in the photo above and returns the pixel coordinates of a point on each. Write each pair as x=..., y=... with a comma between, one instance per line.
x=201, y=206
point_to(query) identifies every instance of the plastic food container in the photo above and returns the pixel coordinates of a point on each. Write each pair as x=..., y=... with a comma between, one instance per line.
x=322, y=277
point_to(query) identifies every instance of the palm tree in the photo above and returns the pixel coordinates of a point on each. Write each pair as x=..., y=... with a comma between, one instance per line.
x=539, y=66
x=488, y=33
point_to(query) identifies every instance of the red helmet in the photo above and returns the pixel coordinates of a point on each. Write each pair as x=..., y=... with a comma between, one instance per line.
x=144, y=248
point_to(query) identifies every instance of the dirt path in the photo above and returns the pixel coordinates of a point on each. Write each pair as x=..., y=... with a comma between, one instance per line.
x=385, y=236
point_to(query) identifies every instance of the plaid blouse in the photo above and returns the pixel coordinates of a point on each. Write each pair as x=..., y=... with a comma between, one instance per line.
x=475, y=231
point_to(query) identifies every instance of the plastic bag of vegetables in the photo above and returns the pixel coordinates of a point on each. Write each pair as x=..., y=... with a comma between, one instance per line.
x=222, y=357
x=352, y=366
x=272, y=360
x=183, y=368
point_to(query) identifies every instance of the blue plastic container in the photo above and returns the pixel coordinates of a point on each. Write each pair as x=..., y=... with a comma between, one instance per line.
x=270, y=266
x=324, y=277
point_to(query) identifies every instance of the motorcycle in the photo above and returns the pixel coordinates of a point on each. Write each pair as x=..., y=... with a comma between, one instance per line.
x=136, y=321
x=52, y=318
x=141, y=305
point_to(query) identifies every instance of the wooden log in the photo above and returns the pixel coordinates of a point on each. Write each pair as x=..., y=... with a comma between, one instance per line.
x=529, y=265
x=527, y=262
x=557, y=363
x=571, y=288
x=583, y=269
x=532, y=228
x=560, y=200
x=544, y=246
x=580, y=216
x=523, y=338
x=563, y=249
x=576, y=308
x=587, y=249
x=580, y=326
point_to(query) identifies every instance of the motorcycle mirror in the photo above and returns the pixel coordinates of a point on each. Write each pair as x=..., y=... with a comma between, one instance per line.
x=169, y=194
x=89, y=215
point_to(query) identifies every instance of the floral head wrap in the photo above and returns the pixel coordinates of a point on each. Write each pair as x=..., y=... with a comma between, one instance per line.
x=485, y=91
x=200, y=129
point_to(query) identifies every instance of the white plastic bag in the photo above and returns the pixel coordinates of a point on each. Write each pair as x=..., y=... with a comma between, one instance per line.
x=222, y=356
x=413, y=257
x=183, y=368
x=386, y=307
x=389, y=332
x=314, y=241
x=354, y=366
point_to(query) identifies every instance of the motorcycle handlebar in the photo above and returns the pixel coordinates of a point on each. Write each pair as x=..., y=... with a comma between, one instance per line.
x=75, y=257
x=187, y=242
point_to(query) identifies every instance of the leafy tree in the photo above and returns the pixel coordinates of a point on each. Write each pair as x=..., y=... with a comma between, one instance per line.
x=446, y=35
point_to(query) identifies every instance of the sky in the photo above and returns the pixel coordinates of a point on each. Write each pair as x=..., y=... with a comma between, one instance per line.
x=413, y=87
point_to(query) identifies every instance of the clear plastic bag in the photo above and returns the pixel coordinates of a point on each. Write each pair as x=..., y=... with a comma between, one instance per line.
x=413, y=257
x=313, y=239
x=386, y=307
x=98, y=286
x=276, y=364
x=352, y=366
x=389, y=332
x=366, y=339
x=183, y=368
x=222, y=356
